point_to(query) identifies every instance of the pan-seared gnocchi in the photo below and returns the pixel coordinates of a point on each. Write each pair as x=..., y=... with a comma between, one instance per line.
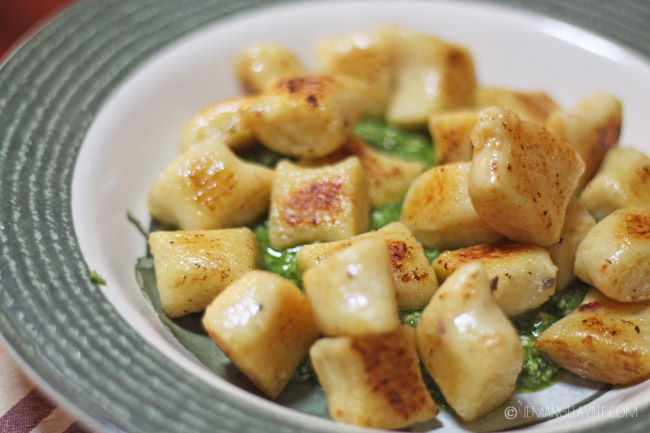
x=623, y=181
x=308, y=116
x=226, y=121
x=409, y=75
x=328, y=203
x=374, y=380
x=414, y=278
x=614, y=256
x=468, y=345
x=209, y=187
x=577, y=224
x=193, y=267
x=369, y=57
x=602, y=340
x=351, y=292
x=592, y=129
x=450, y=131
x=265, y=326
x=388, y=178
x=521, y=177
x=394, y=288
x=522, y=276
x=261, y=65
x=439, y=212
x=533, y=107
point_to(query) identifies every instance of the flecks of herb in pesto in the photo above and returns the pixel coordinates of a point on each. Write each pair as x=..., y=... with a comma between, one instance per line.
x=385, y=215
x=282, y=263
x=261, y=155
x=305, y=373
x=410, y=317
x=538, y=371
x=406, y=145
x=95, y=278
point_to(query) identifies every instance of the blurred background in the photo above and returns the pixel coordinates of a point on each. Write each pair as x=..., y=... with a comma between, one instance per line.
x=18, y=17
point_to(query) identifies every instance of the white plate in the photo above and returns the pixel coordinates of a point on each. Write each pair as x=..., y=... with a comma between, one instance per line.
x=136, y=132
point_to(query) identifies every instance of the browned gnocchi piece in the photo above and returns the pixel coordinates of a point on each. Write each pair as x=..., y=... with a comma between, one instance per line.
x=602, y=340
x=328, y=203
x=208, y=187
x=264, y=325
x=521, y=177
x=373, y=381
x=438, y=211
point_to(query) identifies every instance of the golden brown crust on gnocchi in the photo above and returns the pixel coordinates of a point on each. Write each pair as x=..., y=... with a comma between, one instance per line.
x=521, y=177
x=614, y=256
x=438, y=211
x=522, y=276
x=373, y=381
x=264, y=325
x=260, y=65
x=317, y=204
x=530, y=106
x=308, y=116
x=414, y=278
x=208, y=187
x=602, y=340
x=388, y=178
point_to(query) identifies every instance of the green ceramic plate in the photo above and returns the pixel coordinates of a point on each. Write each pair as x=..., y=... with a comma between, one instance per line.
x=90, y=110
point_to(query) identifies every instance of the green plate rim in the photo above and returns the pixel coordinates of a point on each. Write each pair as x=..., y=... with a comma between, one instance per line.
x=58, y=324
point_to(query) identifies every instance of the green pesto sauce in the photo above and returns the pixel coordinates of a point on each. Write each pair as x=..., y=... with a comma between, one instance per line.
x=539, y=372
x=282, y=263
x=261, y=155
x=406, y=145
x=385, y=215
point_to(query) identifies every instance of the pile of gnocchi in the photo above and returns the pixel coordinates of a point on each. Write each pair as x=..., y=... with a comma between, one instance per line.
x=512, y=203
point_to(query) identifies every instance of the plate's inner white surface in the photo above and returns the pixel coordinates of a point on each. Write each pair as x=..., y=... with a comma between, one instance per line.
x=136, y=133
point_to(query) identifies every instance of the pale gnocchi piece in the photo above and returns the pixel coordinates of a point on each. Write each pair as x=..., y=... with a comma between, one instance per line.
x=414, y=278
x=208, y=187
x=432, y=75
x=450, y=131
x=352, y=292
x=533, y=107
x=577, y=224
x=522, y=276
x=521, y=177
x=438, y=211
x=193, y=267
x=373, y=381
x=614, y=256
x=366, y=56
x=388, y=178
x=260, y=65
x=328, y=203
x=226, y=121
x=308, y=116
x=602, y=340
x=264, y=325
x=468, y=345
x=592, y=129
x=623, y=181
